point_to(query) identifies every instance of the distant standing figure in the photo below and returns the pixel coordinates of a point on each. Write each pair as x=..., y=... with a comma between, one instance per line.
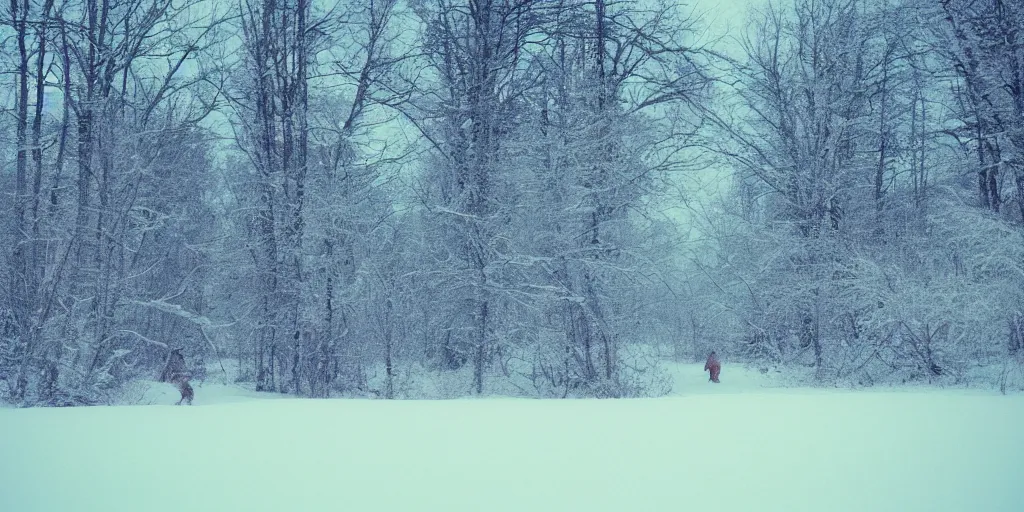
x=714, y=366
x=176, y=373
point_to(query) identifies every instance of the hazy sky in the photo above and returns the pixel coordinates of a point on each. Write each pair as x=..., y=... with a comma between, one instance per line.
x=724, y=19
x=725, y=14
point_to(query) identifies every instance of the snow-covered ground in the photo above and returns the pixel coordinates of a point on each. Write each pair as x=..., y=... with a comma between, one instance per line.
x=740, y=445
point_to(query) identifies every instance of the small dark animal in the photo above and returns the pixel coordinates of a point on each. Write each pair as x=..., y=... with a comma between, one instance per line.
x=176, y=373
x=714, y=366
x=185, y=389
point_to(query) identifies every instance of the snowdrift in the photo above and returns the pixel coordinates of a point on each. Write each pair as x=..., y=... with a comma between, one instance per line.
x=718, y=448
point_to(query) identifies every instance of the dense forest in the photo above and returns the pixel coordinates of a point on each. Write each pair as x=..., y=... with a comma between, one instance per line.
x=539, y=198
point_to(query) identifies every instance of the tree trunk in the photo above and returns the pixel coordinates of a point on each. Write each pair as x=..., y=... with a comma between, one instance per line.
x=480, y=352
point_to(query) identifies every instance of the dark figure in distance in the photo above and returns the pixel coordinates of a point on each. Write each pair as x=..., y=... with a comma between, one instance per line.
x=175, y=373
x=714, y=366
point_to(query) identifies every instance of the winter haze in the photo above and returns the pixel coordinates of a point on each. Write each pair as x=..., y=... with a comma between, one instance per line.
x=511, y=255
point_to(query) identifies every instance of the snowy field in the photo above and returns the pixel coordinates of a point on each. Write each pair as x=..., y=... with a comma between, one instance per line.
x=737, y=446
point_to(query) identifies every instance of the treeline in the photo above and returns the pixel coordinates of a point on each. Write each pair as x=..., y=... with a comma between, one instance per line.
x=321, y=193
x=873, y=227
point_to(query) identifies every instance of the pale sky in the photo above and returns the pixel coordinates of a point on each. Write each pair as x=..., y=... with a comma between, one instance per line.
x=724, y=16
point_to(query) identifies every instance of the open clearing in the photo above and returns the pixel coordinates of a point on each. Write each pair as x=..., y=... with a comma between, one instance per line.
x=723, y=448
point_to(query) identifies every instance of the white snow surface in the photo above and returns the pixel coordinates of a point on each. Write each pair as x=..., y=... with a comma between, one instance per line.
x=735, y=446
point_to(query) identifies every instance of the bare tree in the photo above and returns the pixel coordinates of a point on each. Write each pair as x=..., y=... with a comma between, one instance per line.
x=985, y=47
x=476, y=49
x=73, y=269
